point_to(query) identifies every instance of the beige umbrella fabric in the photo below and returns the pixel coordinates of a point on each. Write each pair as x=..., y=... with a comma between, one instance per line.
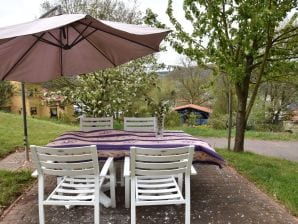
x=71, y=44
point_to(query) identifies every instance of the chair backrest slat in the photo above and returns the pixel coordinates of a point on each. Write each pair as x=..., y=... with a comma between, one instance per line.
x=95, y=123
x=64, y=158
x=69, y=173
x=161, y=157
x=72, y=165
x=163, y=151
x=140, y=124
x=158, y=166
x=161, y=162
x=63, y=151
x=74, y=161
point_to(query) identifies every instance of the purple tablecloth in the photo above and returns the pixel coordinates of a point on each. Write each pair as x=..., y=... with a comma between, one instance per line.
x=116, y=143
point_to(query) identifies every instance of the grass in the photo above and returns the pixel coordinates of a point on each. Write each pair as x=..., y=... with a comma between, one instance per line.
x=40, y=132
x=277, y=177
x=205, y=131
x=12, y=184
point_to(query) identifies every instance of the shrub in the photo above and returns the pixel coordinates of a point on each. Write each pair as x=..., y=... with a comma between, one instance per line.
x=218, y=122
x=268, y=127
x=192, y=119
x=172, y=119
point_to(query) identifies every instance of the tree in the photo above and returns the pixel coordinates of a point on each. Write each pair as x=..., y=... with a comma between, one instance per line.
x=114, y=90
x=113, y=10
x=243, y=38
x=5, y=92
x=277, y=96
x=192, y=83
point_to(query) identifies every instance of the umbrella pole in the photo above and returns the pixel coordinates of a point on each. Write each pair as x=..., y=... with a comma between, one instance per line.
x=26, y=144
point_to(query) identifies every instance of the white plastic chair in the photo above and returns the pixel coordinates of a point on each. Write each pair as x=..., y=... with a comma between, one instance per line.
x=153, y=174
x=81, y=182
x=95, y=123
x=140, y=124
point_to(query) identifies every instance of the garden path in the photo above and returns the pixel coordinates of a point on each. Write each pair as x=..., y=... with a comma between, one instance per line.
x=280, y=149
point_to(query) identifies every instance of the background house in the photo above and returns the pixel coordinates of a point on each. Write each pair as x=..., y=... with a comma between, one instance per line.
x=202, y=113
x=38, y=102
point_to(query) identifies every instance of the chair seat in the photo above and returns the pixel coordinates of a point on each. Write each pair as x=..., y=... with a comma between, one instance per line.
x=73, y=189
x=158, y=190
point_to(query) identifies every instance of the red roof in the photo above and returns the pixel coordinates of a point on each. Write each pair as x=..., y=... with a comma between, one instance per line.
x=194, y=106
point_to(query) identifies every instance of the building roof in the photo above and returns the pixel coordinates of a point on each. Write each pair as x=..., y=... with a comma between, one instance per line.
x=194, y=106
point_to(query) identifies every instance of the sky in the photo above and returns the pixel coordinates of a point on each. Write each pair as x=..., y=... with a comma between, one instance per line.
x=20, y=11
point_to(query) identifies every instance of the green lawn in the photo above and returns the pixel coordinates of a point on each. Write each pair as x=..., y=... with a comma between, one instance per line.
x=12, y=184
x=277, y=177
x=205, y=131
x=40, y=132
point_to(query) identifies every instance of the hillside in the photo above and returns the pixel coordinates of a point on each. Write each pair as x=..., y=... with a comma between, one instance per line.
x=40, y=132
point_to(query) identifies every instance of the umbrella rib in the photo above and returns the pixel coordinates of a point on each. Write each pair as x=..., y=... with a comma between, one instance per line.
x=21, y=58
x=80, y=34
x=52, y=35
x=97, y=48
x=47, y=41
x=113, y=34
x=61, y=68
x=82, y=38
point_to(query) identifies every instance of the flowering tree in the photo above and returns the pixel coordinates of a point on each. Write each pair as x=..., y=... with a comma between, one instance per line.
x=105, y=92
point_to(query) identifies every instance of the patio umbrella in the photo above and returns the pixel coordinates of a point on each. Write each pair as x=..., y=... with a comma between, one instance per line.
x=71, y=44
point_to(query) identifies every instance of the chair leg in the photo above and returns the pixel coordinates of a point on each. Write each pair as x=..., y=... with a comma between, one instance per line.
x=133, y=214
x=187, y=200
x=96, y=213
x=127, y=191
x=41, y=213
x=133, y=201
x=113, y=187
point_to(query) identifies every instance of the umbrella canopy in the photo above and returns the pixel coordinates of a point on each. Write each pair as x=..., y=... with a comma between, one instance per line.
x=71, y=44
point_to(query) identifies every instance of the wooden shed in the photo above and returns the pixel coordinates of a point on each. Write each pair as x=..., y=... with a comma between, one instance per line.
x=202, y=113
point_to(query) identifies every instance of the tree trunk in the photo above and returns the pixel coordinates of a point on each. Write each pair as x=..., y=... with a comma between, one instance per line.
x=242, y=88
x=240, y=126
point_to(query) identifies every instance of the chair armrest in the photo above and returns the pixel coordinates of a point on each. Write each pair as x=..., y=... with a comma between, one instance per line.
x=126, y=170
x=193, y=170
x=106, y=167
x=34, y=174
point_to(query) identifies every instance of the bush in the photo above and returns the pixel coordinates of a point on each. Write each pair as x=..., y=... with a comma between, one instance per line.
x=218, y=122
x=172, y=119
x=192, y=119
x=66, y=118
x=268, y=127
x=118, y=124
